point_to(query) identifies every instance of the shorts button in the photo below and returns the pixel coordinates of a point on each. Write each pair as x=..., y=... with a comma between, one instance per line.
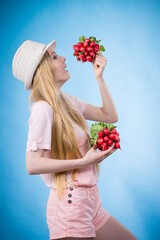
x=69, y=201
x=69, y=195
x=71, y=188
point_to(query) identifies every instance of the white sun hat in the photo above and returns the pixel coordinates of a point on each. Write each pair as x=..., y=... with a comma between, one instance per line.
x=27, y=58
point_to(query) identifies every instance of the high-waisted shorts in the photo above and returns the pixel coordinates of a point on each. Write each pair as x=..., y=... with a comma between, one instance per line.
x=79, y=214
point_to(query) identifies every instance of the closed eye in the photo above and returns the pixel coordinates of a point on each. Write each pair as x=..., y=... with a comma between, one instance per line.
x=55, y=56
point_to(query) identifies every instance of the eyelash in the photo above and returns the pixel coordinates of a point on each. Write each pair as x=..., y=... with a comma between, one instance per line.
x=55, y=57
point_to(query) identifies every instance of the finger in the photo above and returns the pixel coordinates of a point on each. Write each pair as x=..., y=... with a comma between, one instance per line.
x=94, y=147
x=112, y=146
x=99, y=62
x=100, y=56
x=104, y=153
x=108, y=154
x=103, y=60
x=98, y=52
x=110, y=149
x=100, y=59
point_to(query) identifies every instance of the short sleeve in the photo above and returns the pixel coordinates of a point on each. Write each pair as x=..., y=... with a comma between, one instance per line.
x=81, y=104
x=40, y=127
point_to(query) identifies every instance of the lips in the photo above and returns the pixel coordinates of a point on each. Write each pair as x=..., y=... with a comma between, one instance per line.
x=65, y=69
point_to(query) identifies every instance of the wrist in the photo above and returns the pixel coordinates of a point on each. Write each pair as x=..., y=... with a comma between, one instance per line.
x=100, y=78
x=82, y=162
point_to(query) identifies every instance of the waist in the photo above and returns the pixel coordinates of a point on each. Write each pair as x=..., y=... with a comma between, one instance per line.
x=76, y=184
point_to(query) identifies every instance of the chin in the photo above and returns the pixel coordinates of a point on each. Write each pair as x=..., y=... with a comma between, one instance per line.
x=66, y=79
x=69, y=76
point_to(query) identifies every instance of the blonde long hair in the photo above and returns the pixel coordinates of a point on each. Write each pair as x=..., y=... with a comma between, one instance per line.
x=63, y=141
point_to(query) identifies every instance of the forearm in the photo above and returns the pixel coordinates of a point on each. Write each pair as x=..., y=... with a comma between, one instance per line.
x=108, y=106
x=48, y=165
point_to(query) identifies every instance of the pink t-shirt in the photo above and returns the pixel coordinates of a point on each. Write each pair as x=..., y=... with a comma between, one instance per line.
x=39, y=137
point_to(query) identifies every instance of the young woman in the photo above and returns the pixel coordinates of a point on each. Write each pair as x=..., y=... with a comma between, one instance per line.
x=58, y=145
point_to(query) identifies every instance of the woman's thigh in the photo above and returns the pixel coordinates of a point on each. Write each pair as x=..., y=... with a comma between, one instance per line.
x=111, y=230
x=114, y=230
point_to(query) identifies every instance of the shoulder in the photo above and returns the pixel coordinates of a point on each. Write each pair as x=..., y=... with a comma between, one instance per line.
x=77, y=103
x=69, y=97
x=42, y=106
x=41, y=111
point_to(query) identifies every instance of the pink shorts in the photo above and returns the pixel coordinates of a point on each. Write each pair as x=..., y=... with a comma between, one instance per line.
x=80, y=214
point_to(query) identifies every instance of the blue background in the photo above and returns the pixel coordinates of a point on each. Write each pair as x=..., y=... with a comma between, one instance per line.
x=129, y=181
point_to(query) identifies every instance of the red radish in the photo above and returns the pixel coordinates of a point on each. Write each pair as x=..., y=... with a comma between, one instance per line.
x=97, y=46
x=95, y=49
x=100, y=134
x=92, y=44
x=104, y=148
x=114, y=131
x=80, y=44
x=95, y=145
x=99, y=146
x=84, y=59
x=89, y=58
x=87, y=40
x=89, y=49
x=110, y=142
x=85, y=44
x=117, y=145
x=86, y=53
x=76, y=48
x=106, y=138
x=104, y=144
x=106, y=131
x=100, y=140
x=76, y=53
x=78, y=58
x=92, y=54
x=81, y=56
x=111, y=136
x=82, y=49
x=116, y=138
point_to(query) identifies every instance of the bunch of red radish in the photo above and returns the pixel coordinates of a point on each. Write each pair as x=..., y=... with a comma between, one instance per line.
x=106, y=139
x=86, y=49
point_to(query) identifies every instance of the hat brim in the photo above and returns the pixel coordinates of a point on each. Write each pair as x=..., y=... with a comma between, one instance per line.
x=28, y=83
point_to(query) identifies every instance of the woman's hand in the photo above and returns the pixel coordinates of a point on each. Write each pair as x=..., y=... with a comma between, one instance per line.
x=93, y=156
x=99, y=64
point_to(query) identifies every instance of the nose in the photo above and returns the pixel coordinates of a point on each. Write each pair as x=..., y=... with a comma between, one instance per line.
x=63, y=58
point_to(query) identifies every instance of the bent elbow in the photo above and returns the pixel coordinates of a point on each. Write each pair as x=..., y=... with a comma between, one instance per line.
x=29, y=167
x=29, y=170
x=33, y=161
x=116, y=120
